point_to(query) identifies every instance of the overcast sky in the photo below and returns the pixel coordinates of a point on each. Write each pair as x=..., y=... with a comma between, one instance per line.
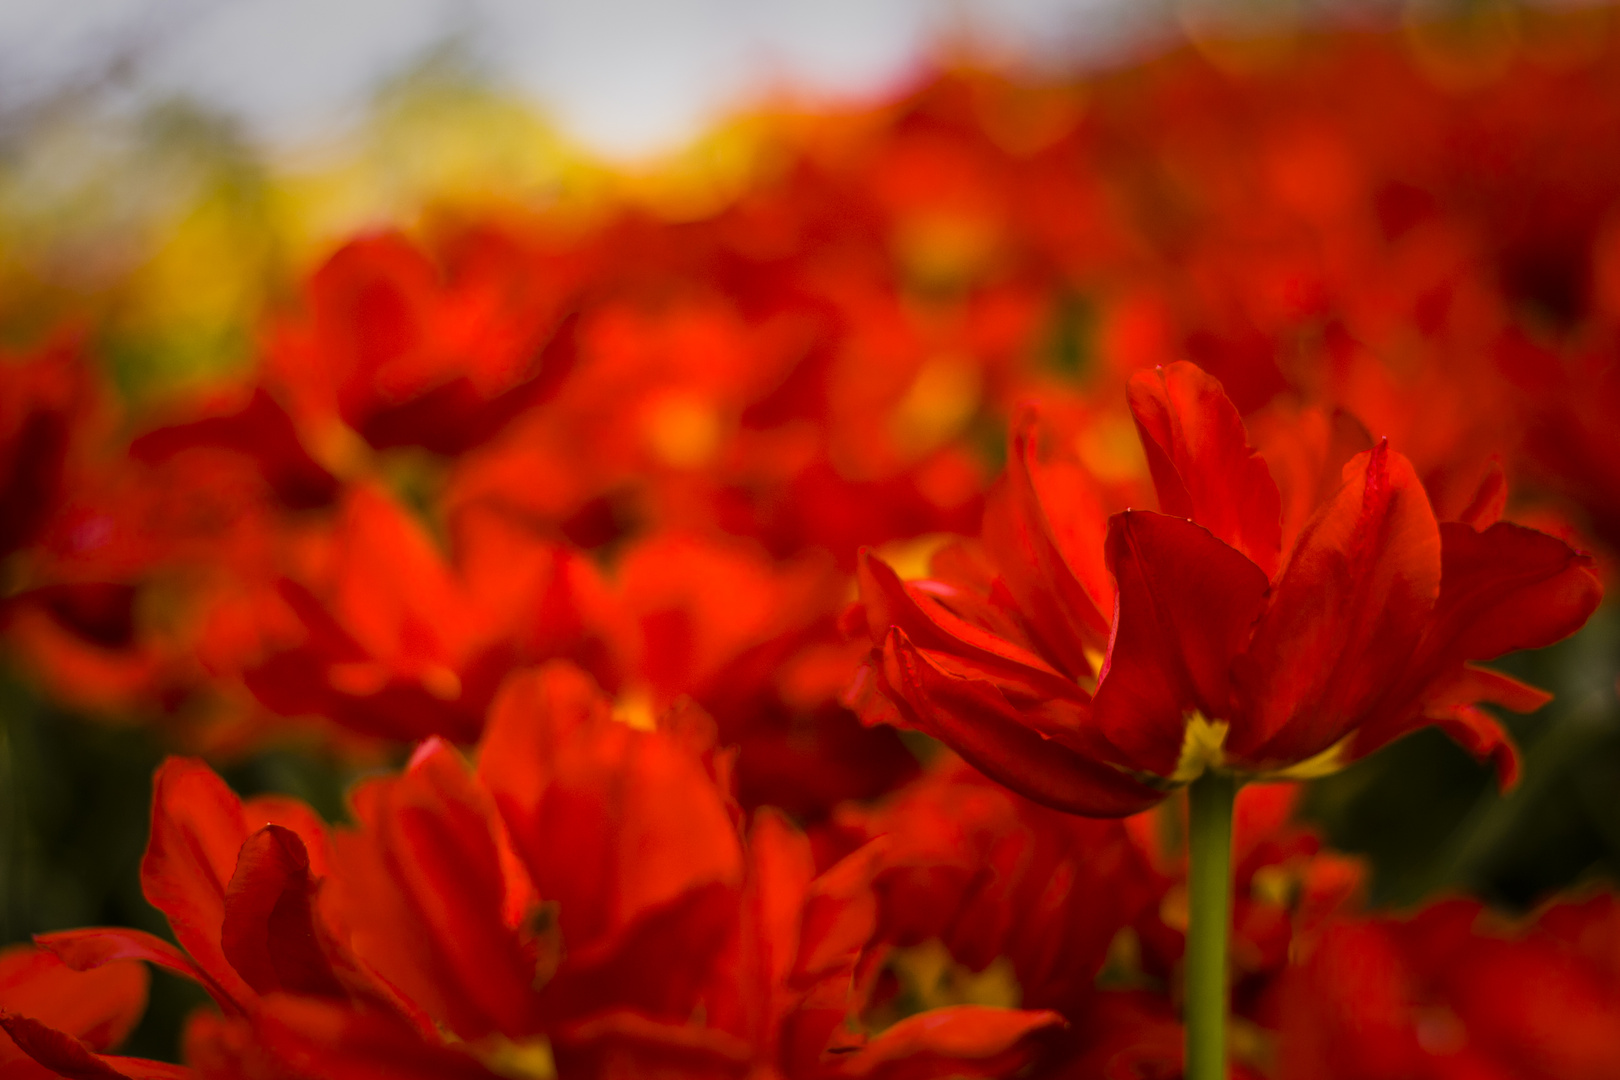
x=628, y=77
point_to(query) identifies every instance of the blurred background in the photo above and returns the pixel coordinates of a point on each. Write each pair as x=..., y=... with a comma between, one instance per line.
x=143, y=140
x=626, y=78
x=167, y=168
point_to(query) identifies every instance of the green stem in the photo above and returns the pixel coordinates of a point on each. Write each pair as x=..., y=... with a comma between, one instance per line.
x=1209, y=918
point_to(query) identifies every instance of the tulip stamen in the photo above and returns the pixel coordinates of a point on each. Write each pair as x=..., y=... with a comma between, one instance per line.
x=1203, y=744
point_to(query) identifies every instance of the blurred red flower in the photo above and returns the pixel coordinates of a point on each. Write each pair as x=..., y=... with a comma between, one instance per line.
x=1455, y=992
x=548, y=903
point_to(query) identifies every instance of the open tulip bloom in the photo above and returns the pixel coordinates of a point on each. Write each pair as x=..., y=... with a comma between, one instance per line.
x=1293, y=605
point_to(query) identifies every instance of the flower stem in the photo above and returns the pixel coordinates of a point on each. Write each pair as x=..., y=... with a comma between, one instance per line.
x=1209, y=918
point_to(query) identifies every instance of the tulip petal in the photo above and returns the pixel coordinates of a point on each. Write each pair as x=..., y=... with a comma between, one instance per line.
x=424, y=883
x=958, y=1041
x=781, y=868
x=1490, y=499
x=1507, y=588
x=679, y=940
x=307, y=1037
x=142, y=1069
x=638, y=1045
x=532, y=715
x=67, y=1057
x=99, y=1007
x=609, y=850
x=1306, y=450
x=269, y=932
x=1345, y=617
x=1502, y=589
x=1477, y=732
x=1018, y=529
x=586, y=801
x=1202, y=464
x=890, y=604
x=973, y=718
x=198, y=826
x=1475, y=684
x=83, y=950
x=1187, y=602
x=1450, y=704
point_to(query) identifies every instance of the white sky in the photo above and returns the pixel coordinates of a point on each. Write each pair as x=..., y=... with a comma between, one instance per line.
x=628, y=77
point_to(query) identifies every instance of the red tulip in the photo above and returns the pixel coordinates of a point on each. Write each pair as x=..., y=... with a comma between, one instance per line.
x=586, y=895
x=754, y=641
x=1095, y=663
x=990, y=874
x=788, y=997
x=240, y=884
x=382, y=634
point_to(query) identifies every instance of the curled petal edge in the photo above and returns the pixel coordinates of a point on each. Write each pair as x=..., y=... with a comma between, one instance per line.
x=973, y=718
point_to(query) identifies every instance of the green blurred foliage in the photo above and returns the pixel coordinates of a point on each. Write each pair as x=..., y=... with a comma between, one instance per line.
x=74, y=797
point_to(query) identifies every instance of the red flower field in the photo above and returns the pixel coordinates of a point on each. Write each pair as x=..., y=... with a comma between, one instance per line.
x=923, y=616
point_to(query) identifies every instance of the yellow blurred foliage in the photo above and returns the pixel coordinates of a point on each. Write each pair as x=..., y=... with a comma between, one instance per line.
x=167, y=237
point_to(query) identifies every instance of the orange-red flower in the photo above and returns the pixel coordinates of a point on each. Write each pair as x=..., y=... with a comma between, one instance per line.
x=796, y=976
x=407, y=353
x=754, y=641
x=378, y=631
x=587, y=897
x=990, y=874
x=1454, y=991
x=1285, y=611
